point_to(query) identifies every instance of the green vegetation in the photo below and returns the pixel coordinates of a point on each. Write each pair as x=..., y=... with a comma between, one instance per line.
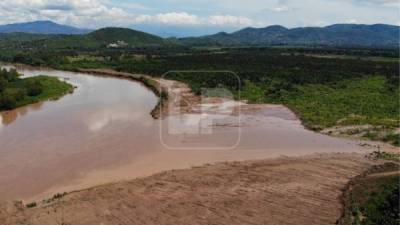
x=382, y=204
x=112, y=38
x=252, y=93
x=130, y=37
x=16, y=92
x=373, y=198
x=395, y=157
x=31, y=205
x=19, y=40
x=393, y=139
x=385, y=136
x=55, y=197
x=349, y=102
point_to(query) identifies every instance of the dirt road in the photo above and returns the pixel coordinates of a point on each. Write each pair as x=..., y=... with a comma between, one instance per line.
x=298, y=191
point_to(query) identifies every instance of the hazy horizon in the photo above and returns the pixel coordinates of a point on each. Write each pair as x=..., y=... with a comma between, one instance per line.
x=155, y=31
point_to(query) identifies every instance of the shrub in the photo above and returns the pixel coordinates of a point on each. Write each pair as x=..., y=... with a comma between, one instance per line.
x=34, y=87
x=3, y=84
x=7, y=102
x=392, y=138
x=31, y=205
x=10, y=75
x=17, y=93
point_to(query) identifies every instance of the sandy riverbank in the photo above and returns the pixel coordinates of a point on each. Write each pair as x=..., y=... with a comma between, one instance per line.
x=302, y=191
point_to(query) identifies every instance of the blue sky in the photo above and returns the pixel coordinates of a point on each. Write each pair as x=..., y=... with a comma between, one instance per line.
x=198, y=17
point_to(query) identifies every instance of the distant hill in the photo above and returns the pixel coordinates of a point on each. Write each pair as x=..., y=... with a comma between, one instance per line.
x=41, y=27
x=348, y=35
x=102, y=38
x=124, y=35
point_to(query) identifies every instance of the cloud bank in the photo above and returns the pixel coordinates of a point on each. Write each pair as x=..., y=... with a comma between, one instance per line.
x=93, y=13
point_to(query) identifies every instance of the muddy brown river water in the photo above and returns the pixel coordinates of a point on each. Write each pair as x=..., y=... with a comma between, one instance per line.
x=104, y=132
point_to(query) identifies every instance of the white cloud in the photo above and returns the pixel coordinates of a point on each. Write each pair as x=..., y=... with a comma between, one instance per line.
x=280, y=9
x=279, y=6
x=94, y=14
x=228, y=20
x=176, y=18
x=183, y=18
x=76, y=12
x=126, y=5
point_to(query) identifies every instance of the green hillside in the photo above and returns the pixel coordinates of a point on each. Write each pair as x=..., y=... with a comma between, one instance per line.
x=131, y=37
x=103, y=38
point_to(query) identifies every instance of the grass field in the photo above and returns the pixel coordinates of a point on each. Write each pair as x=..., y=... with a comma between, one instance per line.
x=351, y=102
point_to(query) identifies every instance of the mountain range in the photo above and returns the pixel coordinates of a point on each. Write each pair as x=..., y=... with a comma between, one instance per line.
x=335, y=35
x=41, y=27
x=344, y=35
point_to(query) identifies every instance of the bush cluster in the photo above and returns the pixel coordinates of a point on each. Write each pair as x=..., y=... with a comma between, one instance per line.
x=13, y=89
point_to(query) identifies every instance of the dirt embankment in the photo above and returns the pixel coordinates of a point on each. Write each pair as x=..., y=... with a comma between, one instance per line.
x=283, y=191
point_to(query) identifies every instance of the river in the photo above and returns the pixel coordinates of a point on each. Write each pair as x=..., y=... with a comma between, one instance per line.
x=104, y=132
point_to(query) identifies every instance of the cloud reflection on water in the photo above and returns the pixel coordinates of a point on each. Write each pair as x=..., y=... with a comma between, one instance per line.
x=98, y=119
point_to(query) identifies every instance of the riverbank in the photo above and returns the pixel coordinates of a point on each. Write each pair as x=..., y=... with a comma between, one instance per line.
x=150, y=82
x=178, y=97
x=301, y=191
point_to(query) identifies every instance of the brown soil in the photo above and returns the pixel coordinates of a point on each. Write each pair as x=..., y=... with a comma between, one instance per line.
x=298, y=191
